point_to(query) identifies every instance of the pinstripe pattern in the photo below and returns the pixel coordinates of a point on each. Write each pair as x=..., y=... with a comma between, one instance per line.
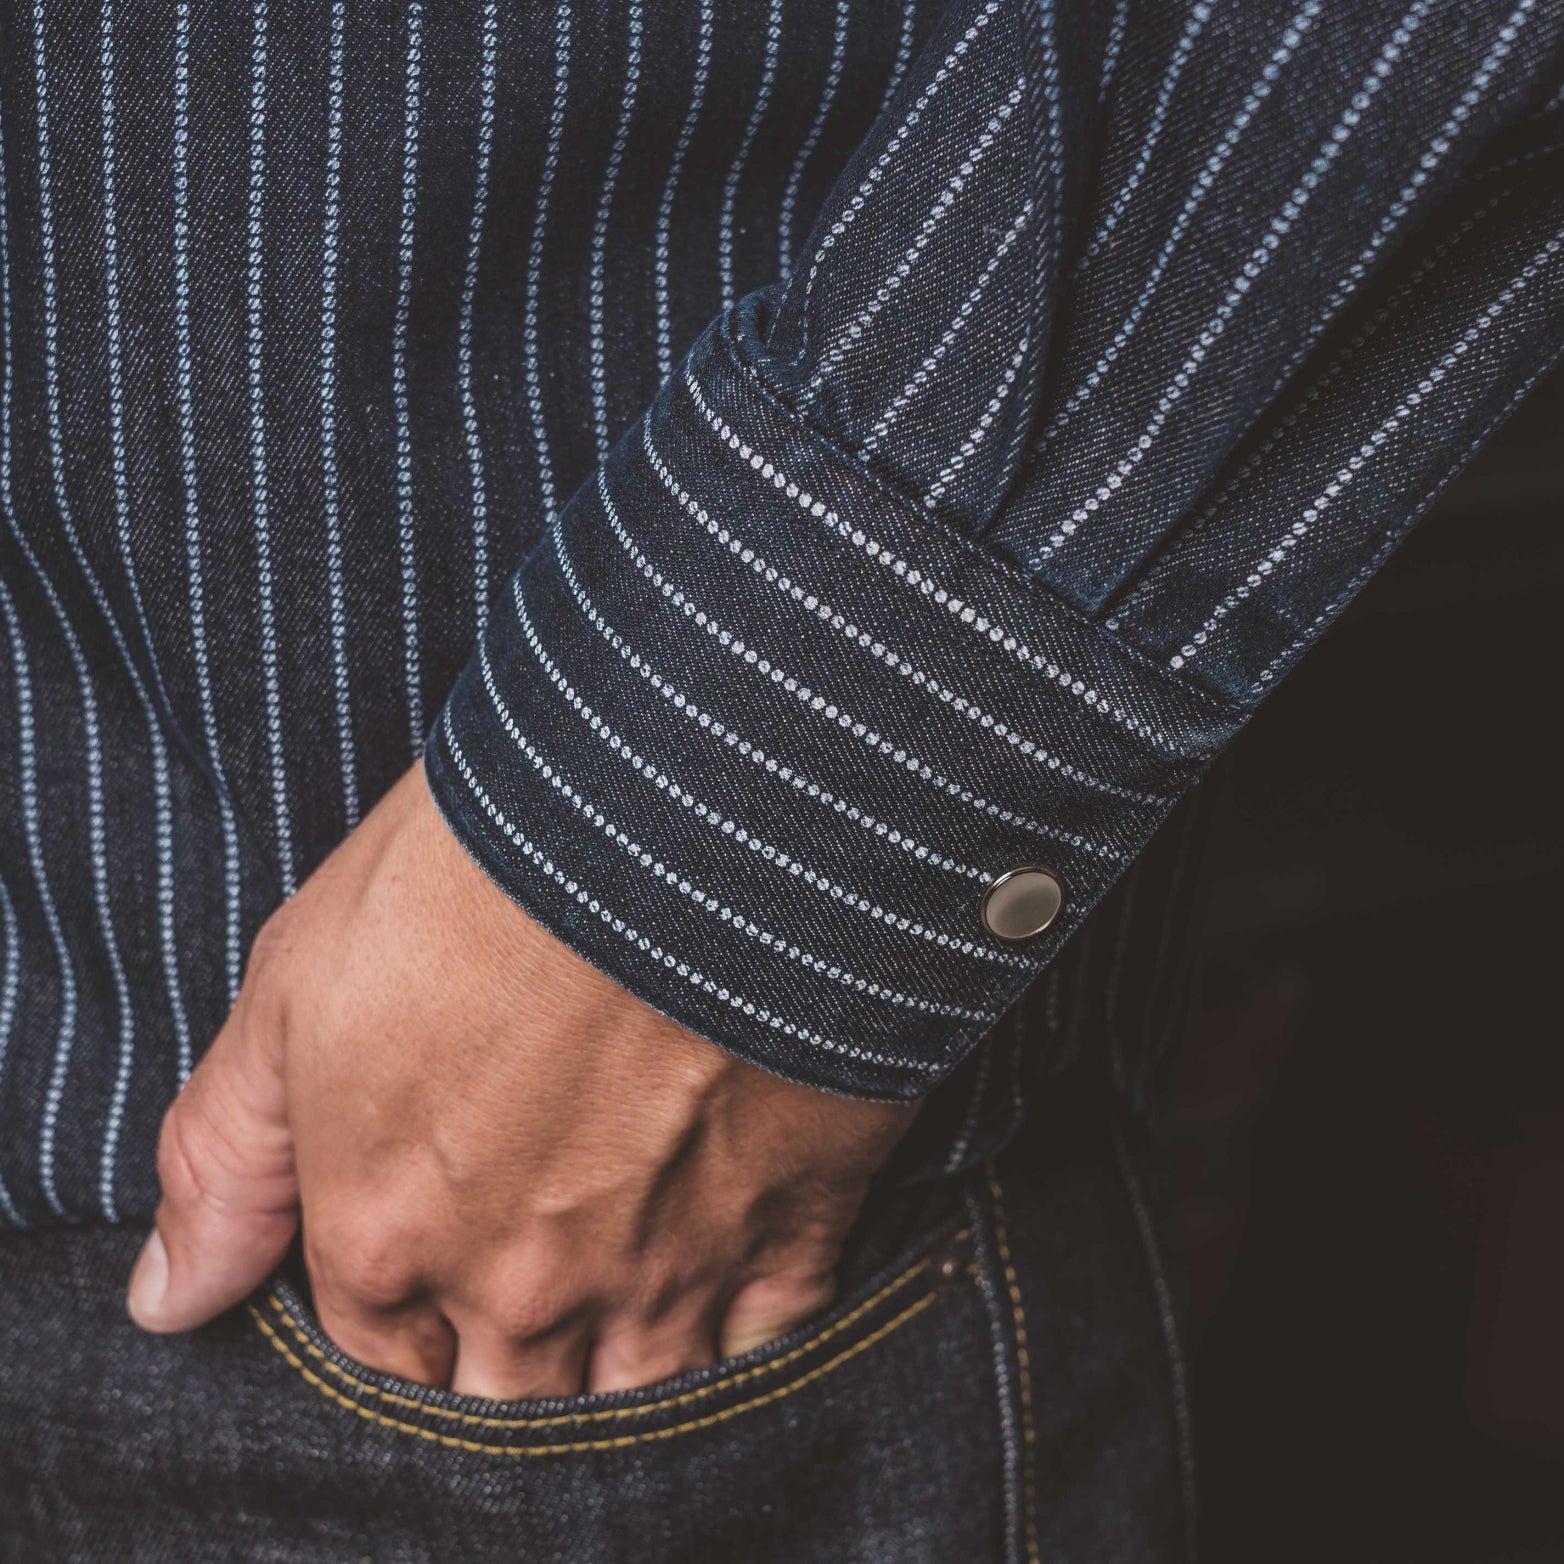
x=164, y=827
x=1199, y=15
x=1261, y=89
x=401, y=395
x=795, y=178
x=1292, y=543
x=757, y=117
x=1422, y=170
x=98, y=846
x=330, y=465
x=184, y=398
x=531, y=328
x=260, y=480
x=909, y=18
x=597, y=291
x=690, y=975
x=925, y=375
x=22, y=692
x=464, y=338
x=857, y=330
x=948, y=546
x=661, y=266
x=1112, y=48
x=1326, y=158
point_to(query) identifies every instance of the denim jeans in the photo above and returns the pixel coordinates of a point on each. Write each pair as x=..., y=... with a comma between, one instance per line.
x=993, y=1385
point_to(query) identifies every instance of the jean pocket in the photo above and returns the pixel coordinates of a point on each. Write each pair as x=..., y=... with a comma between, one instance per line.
x=871, y=1433
x=871, y=1314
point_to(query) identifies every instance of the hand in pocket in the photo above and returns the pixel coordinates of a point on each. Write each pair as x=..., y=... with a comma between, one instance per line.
x=514, y=1178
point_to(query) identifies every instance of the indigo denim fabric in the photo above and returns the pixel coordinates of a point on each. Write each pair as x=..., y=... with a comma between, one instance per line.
x=993, y=1388
x=1059, y=370
x=1085, y=408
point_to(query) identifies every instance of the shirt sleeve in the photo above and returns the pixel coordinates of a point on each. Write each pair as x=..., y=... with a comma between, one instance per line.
x=1116, y=362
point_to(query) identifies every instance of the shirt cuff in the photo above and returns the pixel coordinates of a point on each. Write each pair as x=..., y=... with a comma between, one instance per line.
x=753, y=734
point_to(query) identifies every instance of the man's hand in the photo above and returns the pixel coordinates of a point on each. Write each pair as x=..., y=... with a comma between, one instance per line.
x=515, y=1179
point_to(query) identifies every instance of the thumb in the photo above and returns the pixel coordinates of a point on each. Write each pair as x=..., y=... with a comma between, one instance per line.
x=230, y=1193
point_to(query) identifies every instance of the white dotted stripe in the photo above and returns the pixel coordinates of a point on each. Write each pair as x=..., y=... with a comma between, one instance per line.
x=401, y=385
x=650, y=947
x=777, y=944
x=681, y=703
x=260, y=479
x=801, y=160
x=773, y=767
x=672, y=788
x=91, y=731
x=1112, y=48
x=185, y=422
x=979, y=431
x=26, y=749
x=662, y=251
x=1198, y=17
x=922, y=581
x=757, y=117
x=1327, y=377
x=800, y=782
x=1428, y=161
x=472, y=434
x=1204, y=183
x=532, y=329
x=876, y=174
x=924, y=374
x=1387, y=543
x=119, y=467
x=853, y=333
x=327, y=387
x=1344, y=476
x=1276, y=229
x=597, y=271
x=909, y=16
x=826, y=615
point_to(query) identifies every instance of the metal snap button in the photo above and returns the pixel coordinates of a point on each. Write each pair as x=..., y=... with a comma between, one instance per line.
x=1022, y=902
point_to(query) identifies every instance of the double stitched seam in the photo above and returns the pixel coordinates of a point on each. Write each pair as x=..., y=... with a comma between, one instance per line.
x=371, y=1414
x=608, y=1413
x=582, y=1446
x=1023, y=1373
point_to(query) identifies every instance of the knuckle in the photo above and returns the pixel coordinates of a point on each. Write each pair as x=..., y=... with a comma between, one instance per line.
x=364, y=1264
x=531, y=1310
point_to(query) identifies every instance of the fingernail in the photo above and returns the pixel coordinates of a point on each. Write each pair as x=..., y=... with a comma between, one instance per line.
x=148, y=1282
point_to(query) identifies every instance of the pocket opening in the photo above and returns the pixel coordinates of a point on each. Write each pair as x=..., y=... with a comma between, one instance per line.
x=890, y=1299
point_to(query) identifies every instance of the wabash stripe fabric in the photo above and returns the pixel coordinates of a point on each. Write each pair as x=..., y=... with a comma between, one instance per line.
x=782, y=464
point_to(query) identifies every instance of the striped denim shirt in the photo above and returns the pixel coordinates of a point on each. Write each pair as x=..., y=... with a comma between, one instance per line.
x=784, y=465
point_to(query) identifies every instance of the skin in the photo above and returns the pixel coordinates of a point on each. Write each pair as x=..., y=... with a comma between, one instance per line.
x=514, y=1178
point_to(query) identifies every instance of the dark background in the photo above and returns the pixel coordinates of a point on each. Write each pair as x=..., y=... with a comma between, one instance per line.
x=1366, y=1130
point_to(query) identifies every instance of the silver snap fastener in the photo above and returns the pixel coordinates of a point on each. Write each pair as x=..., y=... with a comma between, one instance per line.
x=1022, y=902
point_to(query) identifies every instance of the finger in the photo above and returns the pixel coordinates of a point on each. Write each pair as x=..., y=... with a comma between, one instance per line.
x=633, y=1354
x=416, y=1342
x=498, y=1367
x=230, y=1194
x=770, y=1307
